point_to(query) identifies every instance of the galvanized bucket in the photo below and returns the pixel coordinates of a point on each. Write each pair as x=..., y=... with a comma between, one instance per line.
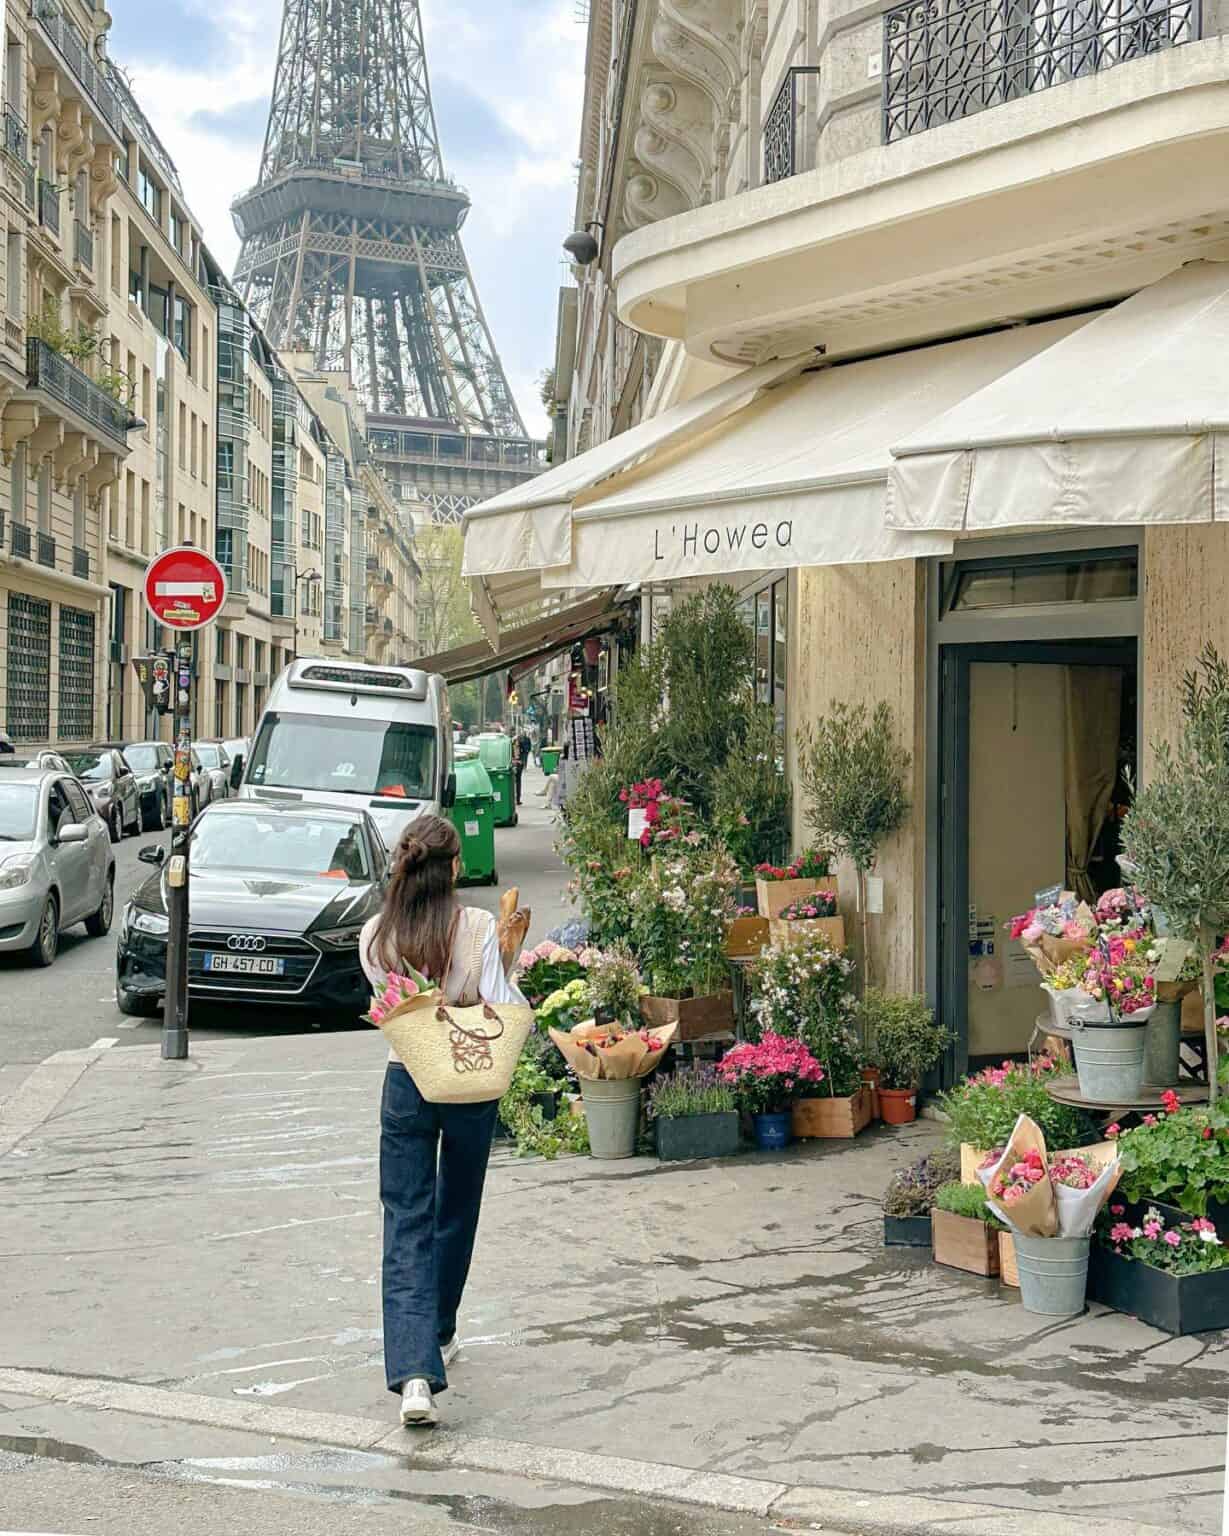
x=1163, y=1037
x=1109, y=1060
x=612, y=1110
x=1053, y=1274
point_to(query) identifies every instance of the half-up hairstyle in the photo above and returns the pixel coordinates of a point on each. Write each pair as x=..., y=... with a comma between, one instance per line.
x=420, y=909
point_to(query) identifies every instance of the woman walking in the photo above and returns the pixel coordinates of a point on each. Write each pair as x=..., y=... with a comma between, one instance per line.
x=433, y=1157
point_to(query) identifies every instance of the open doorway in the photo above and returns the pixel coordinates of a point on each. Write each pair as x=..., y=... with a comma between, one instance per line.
x=1039, y=751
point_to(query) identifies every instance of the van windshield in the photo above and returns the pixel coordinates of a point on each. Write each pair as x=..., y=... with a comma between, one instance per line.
x=354, y=757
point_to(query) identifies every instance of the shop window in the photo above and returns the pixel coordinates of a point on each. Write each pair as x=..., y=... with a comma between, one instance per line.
x=780, y=658
x=28, y=712
x=76, y=690
x=763, y=646
x=1094, y=576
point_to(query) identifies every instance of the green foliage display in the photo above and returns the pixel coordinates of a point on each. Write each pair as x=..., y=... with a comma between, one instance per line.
x=964, y=1200
x=534, y=1135
x=911, y=1191
x=983, y=1110
x=1176, y=836
x=902, y=1036
x=751, y=801
x=1183, y=1159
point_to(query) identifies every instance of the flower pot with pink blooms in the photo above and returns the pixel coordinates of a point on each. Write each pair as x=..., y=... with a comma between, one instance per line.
x=1170, y=1271
x=766, y=1079
x=813, y=913
x=776, y=885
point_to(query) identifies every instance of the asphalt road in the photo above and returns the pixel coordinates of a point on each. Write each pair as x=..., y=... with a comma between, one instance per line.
x=72, y=1004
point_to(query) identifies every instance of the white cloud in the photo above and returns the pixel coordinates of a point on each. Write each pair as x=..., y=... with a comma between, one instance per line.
x=518, y=68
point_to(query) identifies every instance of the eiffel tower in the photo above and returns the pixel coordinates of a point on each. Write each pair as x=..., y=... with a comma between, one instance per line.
x=352, y=251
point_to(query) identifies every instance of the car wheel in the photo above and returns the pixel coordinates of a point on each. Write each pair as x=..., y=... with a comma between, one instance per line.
x=134, y=1004
x=134, y=829
x=115, y=824
x=47, y=939
x=99, y=923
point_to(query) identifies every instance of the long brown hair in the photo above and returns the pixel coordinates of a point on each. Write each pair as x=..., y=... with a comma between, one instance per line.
x=419, y=916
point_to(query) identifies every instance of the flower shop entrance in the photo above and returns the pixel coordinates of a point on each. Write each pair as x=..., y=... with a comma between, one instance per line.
x=1036, y=718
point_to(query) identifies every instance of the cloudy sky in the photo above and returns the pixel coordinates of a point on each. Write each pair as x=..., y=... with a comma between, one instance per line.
x=506, y=79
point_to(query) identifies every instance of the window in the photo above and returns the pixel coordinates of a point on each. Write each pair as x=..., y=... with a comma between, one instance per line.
x=183, y=435
x=365, y=757
x=130, y=515
x=150, y=194
x=14, y=75
x=971, y=586
x=147, y=395
x=12, y=275
x=192, y=443
x=79, y=516
x=146, y=546
x=44, y=497
x=178, y=233
x=117, y=251
x=134, y=288
x=219, y=650
x=182, y=338
x=19, y=483
x=204, y=351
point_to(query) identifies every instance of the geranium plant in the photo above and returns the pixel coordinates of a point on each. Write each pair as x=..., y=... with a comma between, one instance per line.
x=811, y=865
x=983, y=1110
x=819, y=904
x=769, y=1076
x=1178, y=1248
x=1181, y=1157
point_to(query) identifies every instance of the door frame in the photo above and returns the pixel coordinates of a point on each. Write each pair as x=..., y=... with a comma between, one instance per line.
x=1058, y=633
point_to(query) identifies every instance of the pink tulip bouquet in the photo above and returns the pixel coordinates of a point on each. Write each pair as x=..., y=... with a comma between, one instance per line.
x=400, y=989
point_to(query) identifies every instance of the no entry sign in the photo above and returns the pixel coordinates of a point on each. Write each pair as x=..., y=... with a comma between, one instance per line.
x=184, y=588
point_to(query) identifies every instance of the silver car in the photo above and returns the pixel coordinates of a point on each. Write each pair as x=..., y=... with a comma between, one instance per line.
x=56, y=864
x=213, y=776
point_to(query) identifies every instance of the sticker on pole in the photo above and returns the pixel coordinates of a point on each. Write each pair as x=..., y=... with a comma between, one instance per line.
x=184, y=588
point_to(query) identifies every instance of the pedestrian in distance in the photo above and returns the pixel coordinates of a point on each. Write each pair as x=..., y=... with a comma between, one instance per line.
x=522, y=752
x=433, y=1157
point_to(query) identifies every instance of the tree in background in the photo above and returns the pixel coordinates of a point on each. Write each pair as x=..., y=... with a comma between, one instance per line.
x=444, y=615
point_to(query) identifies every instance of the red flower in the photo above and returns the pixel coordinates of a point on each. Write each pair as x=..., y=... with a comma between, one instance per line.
x=1206, y=1133
x=1171, y=1102
x=1111, y=1131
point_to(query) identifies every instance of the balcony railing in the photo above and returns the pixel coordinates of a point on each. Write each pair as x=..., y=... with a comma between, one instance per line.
x=373, y=615
x=85, y=246
x=947, y=59
x=20, y=541
x=81, y=563
x=781, y=128
x=46, y=550
x=64, y=381
x=1, y=530
x=73, y=49
x=49, y=204
x=16, y=135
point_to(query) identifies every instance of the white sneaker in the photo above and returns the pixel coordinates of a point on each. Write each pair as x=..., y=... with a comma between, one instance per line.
x=417, y=1404
x=450, y=1350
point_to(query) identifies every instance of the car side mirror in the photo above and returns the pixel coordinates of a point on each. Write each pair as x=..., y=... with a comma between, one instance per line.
x=236, y=773
x=74, y=832
x=155, y=854
x=448, y=795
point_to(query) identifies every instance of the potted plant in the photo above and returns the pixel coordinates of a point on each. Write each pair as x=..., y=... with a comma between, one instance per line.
x=801, y=990
x=694, y=1114
x=528, y=1112
x=963, y=1232
x=548, y=967
x=612, y=986
x=815, y=913
x=1179, y=1162
x=983, y=1109
x=1171, y=1274
x=611, y=1062
x=766, y=1078
x=910, y=1197
x=681, y=912
x=777, y=885
x=908, y=1042
x=852, y=771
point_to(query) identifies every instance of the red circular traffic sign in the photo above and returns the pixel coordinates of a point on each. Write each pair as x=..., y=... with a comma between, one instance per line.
x=184, y=588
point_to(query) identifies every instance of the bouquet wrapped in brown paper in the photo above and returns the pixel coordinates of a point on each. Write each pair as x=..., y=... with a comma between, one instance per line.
x=1056, y=932
x=612, y=1052
x=1039, y=1194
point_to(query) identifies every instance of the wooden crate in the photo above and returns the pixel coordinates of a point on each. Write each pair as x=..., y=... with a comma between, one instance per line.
x=697, y=1018
x=963, y=1242
x=827, y=1118
x=789, y=930
x=1009, y=1274
x=747, y=936
x=971, y=1159
x=773, y=896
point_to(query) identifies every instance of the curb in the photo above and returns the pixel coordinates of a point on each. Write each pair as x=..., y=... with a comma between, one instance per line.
x=839, y=1512
x=38, y=1098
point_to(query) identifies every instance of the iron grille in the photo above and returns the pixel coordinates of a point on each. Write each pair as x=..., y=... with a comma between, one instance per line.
x=28, y=713
x=21, y=540
x=85, y=246
x=76, y=674
x=64, y=381
x=81, y=563
x=1, y=530
x=947, y=59
x=16, y=135
x=49, y=204
x=75, y=52
x=781, y=128
x=46, y=549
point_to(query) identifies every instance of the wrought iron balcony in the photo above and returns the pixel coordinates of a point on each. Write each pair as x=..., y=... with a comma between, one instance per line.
x=947, y=59
x=46, y=550
x=20, y=541
x=54, y=375
x=781, y=128
x=85, y=246
x=16, y=135
x=49, y=204
x=373, y=615
x=81, y=563
x=1, y=530
x=74, y=50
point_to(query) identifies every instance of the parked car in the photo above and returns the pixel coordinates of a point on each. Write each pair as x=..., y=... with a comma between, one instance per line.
x=56, y=864
x=111, y=786
x=215, y=771
x=237, y=749
x=278, y=893
x=152, y=763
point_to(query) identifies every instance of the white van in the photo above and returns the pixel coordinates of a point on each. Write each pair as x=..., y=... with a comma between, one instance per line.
x=345, y=733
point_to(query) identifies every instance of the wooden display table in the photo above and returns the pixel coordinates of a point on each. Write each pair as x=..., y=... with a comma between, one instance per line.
x=1066, y=1090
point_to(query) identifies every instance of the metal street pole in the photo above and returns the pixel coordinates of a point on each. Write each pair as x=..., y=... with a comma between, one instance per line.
x=175, y=1008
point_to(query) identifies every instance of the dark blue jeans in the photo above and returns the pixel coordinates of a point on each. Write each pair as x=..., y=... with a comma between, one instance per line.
x=433, y=1161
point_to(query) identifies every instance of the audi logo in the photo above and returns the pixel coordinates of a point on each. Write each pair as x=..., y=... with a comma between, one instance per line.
x=251, y=943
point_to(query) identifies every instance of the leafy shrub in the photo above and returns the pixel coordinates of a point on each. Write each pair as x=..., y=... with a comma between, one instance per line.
x=1182, y=1159
x=983, y=1109
x=903, y=1036
x=963, y=1200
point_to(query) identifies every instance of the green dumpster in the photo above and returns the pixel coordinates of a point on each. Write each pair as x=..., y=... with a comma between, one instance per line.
x=550, y=760
x=495, y=750
x=473, y=815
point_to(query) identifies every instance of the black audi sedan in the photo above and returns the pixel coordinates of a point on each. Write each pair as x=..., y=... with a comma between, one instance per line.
x=277, y=895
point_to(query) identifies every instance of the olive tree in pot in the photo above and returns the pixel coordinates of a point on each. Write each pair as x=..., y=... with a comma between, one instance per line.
x=852, y=772
x=1175, y=841
x=907, y=1041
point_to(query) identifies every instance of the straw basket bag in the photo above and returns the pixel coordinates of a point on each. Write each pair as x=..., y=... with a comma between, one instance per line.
x=458, y=1055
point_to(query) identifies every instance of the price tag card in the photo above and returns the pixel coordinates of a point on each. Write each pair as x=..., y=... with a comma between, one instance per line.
x=636, y=824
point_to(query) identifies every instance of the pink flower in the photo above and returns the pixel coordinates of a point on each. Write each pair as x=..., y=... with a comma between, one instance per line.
x=1111, y=1131
x=1150, y=1120
x=1120, y=1232
x=1173, y=1238
x=1171, y=1101
x=1153, y=1229
x=1118, y=1210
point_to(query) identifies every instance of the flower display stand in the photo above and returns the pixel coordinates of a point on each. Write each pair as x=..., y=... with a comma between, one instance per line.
x=773, y=896
x=1067, y=1091
x=698, y=1018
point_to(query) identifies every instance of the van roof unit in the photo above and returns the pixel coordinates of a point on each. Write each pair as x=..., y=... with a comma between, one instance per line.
x=333, y=677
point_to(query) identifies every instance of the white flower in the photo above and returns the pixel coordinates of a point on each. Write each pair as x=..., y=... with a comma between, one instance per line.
x=1209, y=1237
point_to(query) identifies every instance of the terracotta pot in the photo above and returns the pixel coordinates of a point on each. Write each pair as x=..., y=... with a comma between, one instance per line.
x=870, y=1076
x=898, y=1106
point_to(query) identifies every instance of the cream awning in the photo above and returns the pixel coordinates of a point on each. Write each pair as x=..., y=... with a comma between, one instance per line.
x=1125, y=421
x=528, y=644
x=798, y=477
x=515, y=535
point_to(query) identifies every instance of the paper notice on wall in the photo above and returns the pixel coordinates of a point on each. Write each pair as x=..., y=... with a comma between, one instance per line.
x=874, y=893
x=1020, y=970
x=637, y=824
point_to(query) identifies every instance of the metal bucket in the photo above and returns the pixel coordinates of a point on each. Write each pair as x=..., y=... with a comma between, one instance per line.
x=1109, y=1060
x=1164, y=1036
x=1053, y=1274
x=612, y=1110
